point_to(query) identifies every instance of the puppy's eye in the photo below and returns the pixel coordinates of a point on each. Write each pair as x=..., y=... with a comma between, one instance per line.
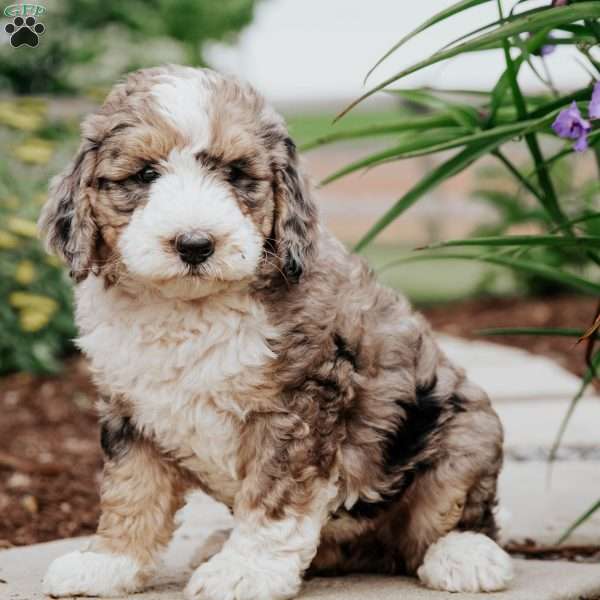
x=147, y=175
x=237, y=172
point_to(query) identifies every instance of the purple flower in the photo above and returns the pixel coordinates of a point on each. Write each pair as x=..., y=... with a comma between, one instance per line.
x=571, y=125
x=547, y=49
x=594, y=110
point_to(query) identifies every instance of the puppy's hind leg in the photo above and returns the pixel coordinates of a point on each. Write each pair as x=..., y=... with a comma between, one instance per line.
x=465, y=557
x=139, y=496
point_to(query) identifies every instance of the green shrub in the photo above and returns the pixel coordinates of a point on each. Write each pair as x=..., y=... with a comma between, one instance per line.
x=91, y=43
x=35, y=293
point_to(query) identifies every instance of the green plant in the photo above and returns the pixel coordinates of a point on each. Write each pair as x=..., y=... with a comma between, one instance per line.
x=35, y=293
x=562, y=250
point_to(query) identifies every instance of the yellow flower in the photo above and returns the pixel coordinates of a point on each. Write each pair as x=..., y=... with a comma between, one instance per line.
x=35, y=311
x=33, y=104
x=26, y=118
x=25, y=272
x=33, y=320
x=10, y=201
x=34, y=151
x=7, y=240
x=25, y=300
x=22, y=227
x=53, y=261
x=96, y=93
x=40, y=198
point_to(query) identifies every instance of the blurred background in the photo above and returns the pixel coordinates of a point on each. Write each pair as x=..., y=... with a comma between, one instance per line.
x=309, y=59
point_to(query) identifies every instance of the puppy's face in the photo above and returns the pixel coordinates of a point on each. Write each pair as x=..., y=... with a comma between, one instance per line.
x=186, y=182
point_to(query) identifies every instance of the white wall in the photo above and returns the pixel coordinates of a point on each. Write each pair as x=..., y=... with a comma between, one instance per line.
x=303, y=51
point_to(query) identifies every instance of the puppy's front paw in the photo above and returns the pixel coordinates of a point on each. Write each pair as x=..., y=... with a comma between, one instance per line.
x=91, y=574
x=466, y=562
x=231, y=576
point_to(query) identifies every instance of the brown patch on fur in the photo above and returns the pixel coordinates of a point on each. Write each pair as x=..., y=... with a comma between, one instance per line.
x=275, y=466
x=66, y=220
x=141, y=491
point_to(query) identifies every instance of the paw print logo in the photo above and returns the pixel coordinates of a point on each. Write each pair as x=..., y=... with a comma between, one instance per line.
x=24, y=32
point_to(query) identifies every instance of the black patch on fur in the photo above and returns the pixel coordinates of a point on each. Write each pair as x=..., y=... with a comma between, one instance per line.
x=342, y=351
x=411, y=437
x=63, y=227
x=292, y=269
x=425, y=390
x=116, y=436
x=290, y=146
x=405, y=444
x=327, y=384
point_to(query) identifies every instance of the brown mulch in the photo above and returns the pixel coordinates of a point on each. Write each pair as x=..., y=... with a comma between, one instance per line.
x=50, y=460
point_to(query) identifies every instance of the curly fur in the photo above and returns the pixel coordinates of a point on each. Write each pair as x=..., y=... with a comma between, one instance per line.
x=279, y=376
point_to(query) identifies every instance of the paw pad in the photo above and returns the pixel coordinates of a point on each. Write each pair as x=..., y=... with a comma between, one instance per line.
x=24, y=32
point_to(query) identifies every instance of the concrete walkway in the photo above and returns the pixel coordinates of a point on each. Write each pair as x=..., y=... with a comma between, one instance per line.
x=531, y=395
x=23, y=569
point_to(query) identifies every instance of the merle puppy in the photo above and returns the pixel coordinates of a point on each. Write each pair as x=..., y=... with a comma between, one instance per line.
x=240, y=349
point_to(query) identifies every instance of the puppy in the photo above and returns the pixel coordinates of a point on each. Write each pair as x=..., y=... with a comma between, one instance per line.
x=240, y=349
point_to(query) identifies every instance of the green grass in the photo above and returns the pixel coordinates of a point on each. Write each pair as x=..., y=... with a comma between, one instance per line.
x=308, y=126
x=437, y=282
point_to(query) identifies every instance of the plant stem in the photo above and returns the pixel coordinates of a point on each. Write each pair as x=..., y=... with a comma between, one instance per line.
x=532, y=143
x=597, y=156
x=517, y=174
x=551, y=200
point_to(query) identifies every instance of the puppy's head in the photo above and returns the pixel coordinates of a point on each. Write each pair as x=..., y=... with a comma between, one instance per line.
x=185, y=181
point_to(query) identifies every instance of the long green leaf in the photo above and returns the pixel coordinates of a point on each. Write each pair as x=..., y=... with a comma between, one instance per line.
x=592, y=137
x=502, y=131
x=578, y=96
x=452, y=10
x=548, y=198
x=464, y=114
x=549, y=18
x=519, y=240
x=446, y=170
x=503, y=84
x=588, y=377
x=582, y=219
x=491, y=25
x=535, y=331
x=529, y=266
x=412, y=144
x=501, y=89
x=450, y=139
x=580, y=521
x=516, y=173
x=408, y=124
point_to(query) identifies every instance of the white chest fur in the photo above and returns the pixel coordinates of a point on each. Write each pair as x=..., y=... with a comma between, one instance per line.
x=186, y=368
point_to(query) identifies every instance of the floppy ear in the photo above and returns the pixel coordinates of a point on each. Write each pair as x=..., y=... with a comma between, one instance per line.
x=66, y=221
x=295, y=216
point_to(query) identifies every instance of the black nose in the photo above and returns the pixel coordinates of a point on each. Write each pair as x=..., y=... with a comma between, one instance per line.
x=194, y=248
